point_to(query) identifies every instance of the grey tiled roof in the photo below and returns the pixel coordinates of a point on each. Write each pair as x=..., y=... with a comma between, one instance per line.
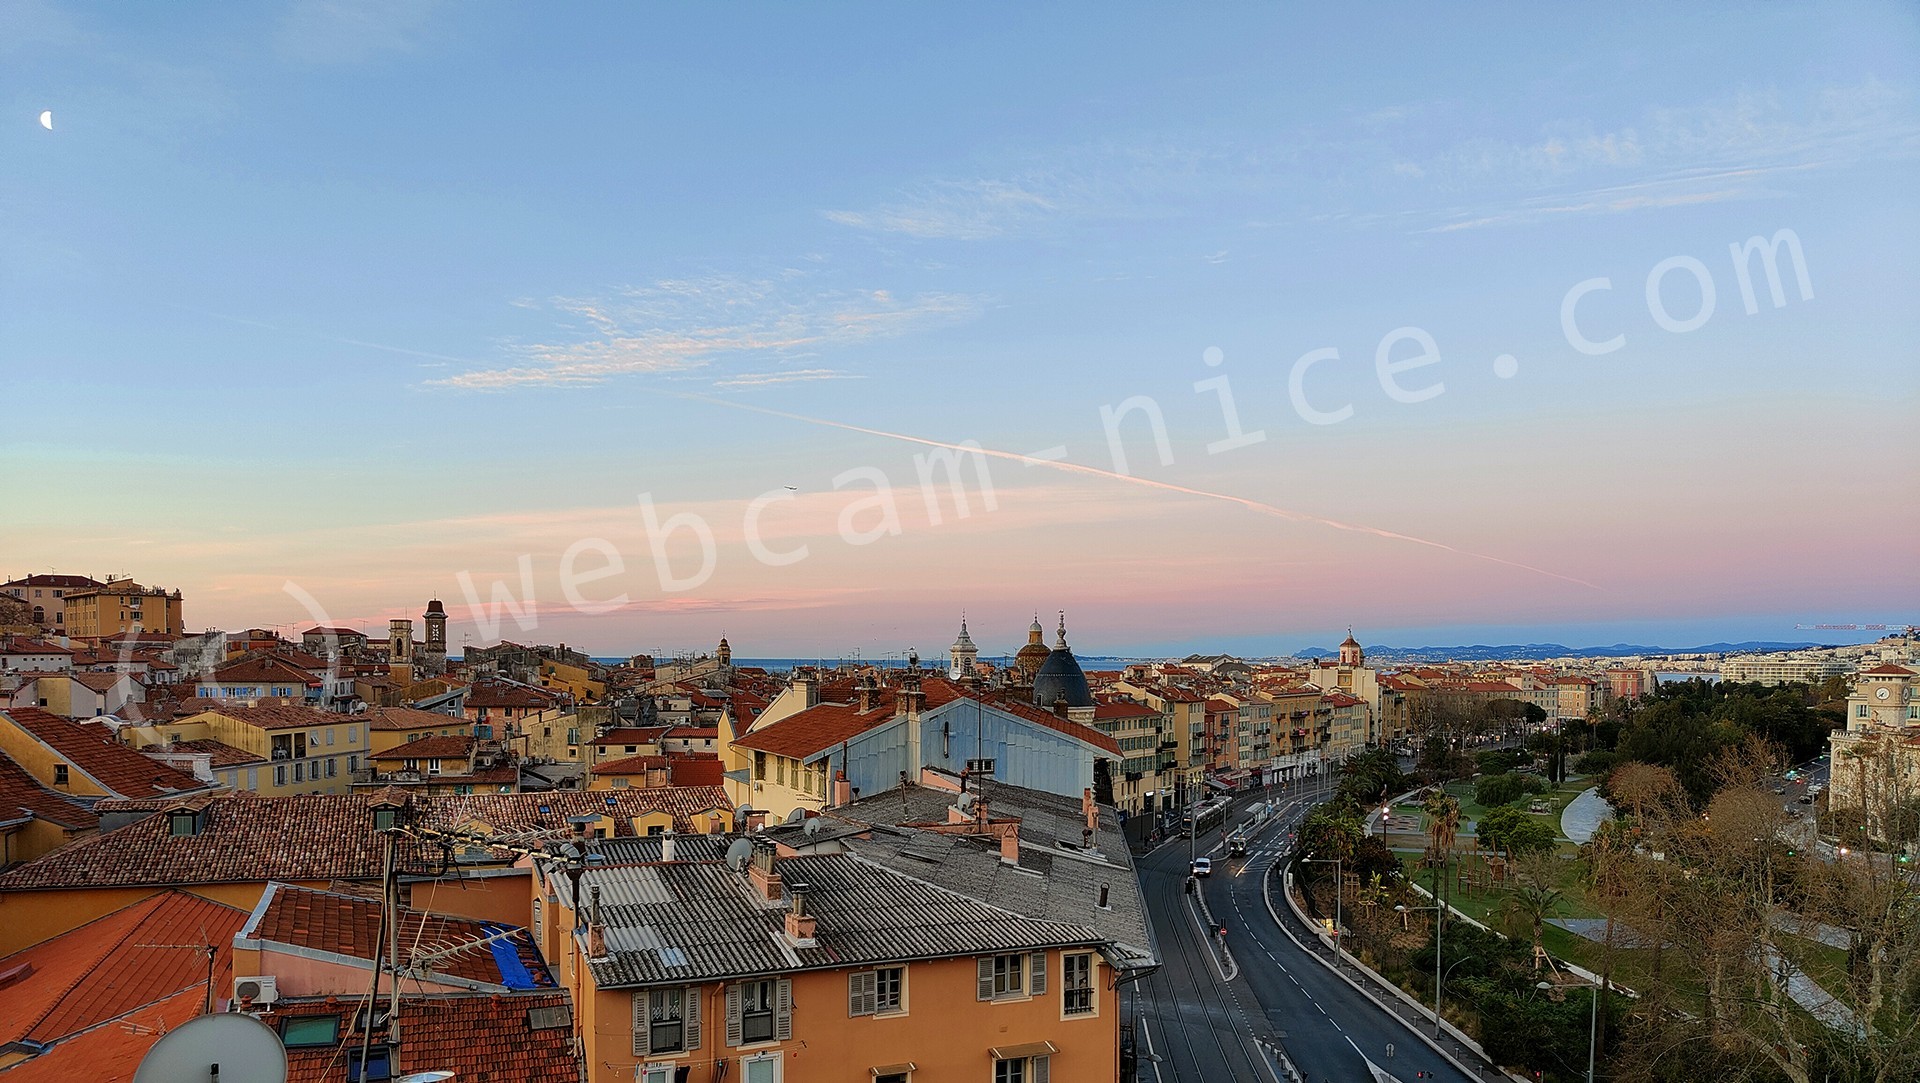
x=702, y=921
x=1058, y=879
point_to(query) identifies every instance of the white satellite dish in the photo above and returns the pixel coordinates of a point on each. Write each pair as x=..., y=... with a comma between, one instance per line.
x=426, y=1077
x=813, y=826
x=227, y=1048
x=739, y=854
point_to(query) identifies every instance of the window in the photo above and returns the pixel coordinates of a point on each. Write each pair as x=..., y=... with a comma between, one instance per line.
x=378, y=1064
x=59, y=774
x=310, y=1030
x=253, y=778
x=280, y=775
x=1021, y=1070
x=333, y=767
x=877, y=992
x=780, y=770
x=666, y=1021
x=759, y=1011
x=1004, y=976
x=761, y=1069
x=299, y=772
x=1076, y=984
x=759, y=765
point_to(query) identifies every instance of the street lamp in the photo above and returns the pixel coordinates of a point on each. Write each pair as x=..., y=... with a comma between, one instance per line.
x=1439, y=979
x=1339, y=890
x=1593, y=1018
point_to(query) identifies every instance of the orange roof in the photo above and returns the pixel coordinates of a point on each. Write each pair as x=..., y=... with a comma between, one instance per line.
x=452, y=747
x=477, y=1037
x=120, y=769
x=1887, y=669
x=409, y=718
x=219, y=754
x=110, y=966
x=265, y=668
x=681, y=770
x=110, y=1052
x=22, y=795
x=276, y=716
x=350, y=925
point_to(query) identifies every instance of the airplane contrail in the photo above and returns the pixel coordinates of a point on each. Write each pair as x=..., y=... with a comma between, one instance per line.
x=1167, y=486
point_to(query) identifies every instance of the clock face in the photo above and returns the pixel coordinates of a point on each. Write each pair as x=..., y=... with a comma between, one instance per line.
x=1882, y=694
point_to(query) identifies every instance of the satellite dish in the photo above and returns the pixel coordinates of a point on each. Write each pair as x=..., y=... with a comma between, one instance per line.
x=425, y=1077
x=739, y=854
x=241, y=1048
x=813, y=827
x=796, y=815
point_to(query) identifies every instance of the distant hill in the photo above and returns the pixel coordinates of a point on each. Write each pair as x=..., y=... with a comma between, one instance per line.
x=1481, y=652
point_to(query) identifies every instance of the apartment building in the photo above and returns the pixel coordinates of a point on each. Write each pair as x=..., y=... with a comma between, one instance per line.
x=1876, y=759
x=46, y=597
x=293, y=750
x=121, y=606
x=794, y=968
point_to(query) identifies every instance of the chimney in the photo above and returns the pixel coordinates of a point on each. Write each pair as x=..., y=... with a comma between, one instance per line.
x=809, y=691
x=667, y=845
x=1090, y=811
x=867, y=691
x=762, y=874
x=1010, y=845
x=800, y=923
x=596, y=932
x=1060, y=707
x=842, y=790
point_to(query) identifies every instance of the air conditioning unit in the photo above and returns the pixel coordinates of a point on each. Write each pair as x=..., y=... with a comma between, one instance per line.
x=260, y=990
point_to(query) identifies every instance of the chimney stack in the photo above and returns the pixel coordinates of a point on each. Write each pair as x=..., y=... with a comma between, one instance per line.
x=1010, y=845
x=667, y=845
x=596, y=932
x=800, y=924
x=762, y=874
x=842, y=790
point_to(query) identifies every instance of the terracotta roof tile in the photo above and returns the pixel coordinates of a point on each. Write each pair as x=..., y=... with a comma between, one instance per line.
x=114, y=964
x=408, y=718
x=452, y=747
x=681, y=770
x=22, y=795
x=350, y=925
x=484, y=1038
x=219, y=754
x=275, y=716
x=115, y=766
x=263, y=668
x=246, y=838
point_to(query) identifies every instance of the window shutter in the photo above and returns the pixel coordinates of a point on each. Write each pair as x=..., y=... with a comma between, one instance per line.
x=1039, y=983
x=985, y=976
x=733, y=1014
x=1040, y=1068
x=863, y=992
x=642, y=1025
x=783, y=1012
x=690, y=1012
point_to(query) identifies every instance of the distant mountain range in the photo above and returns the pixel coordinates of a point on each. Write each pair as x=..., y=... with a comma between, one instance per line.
x=1481, y=652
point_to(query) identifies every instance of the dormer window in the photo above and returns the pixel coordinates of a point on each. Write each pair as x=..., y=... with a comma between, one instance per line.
x=182, y=822
x=383, y=818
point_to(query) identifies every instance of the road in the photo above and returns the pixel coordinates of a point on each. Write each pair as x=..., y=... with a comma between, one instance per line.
x=1204, y=1029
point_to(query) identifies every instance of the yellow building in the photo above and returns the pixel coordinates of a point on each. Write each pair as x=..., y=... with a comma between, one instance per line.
x=34, y=819
x=78, y=761
x=122, y=606
x=551, y=736
x=570, y=680
x=390, y=727
x=305, y=750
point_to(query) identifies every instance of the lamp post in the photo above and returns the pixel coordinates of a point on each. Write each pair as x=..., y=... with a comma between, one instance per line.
x=1339, y=890
x=1593, y=1018
x=1439, y=979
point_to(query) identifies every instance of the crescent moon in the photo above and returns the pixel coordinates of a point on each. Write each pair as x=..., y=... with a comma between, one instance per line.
x=46, y=120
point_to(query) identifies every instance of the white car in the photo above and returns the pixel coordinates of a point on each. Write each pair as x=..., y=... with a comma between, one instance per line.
x=1203, y=866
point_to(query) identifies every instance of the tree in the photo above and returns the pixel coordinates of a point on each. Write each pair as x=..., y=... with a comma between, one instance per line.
x=1372, y=775
x=1443, y=822
x=1529, y=905
x=1515, y=833
x=1506, y=789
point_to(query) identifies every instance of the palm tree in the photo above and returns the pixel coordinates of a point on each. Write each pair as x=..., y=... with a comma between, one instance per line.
x=1443, y=822
x=1530, y=905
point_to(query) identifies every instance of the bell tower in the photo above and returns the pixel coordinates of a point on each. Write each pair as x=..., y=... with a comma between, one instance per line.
x=962, y=655
x=434, y=654
x=400, y=650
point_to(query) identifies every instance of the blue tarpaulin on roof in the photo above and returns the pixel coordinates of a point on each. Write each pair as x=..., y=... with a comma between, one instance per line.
x=513, y=973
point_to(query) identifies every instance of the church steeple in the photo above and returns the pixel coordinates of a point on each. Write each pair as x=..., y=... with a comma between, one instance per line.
x=963, y=654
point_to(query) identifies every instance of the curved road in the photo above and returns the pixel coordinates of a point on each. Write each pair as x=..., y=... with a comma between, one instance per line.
x=1204, y=1029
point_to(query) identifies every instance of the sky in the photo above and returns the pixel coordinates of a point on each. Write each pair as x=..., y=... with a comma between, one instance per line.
x=630, y=326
